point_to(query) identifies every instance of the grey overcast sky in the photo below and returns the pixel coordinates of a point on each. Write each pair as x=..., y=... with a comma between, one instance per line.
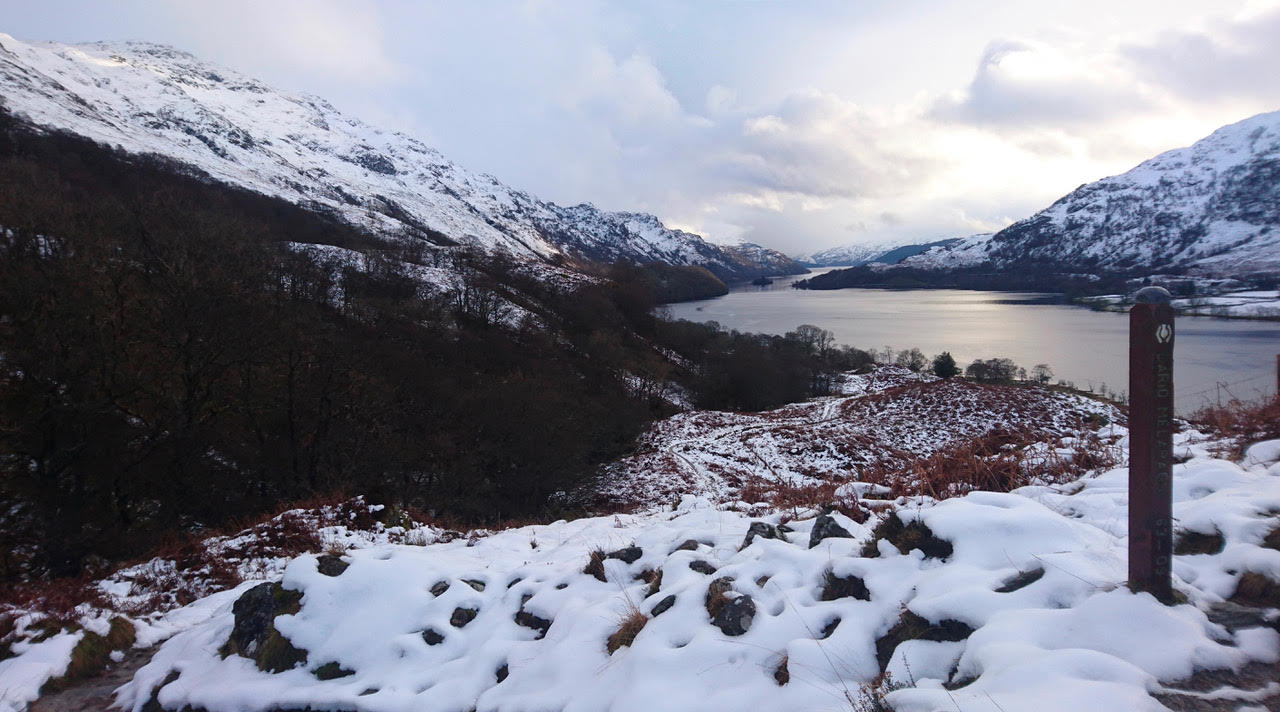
x=799, y=125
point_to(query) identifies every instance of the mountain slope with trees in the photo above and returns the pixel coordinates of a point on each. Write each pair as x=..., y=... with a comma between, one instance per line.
x=153, y=99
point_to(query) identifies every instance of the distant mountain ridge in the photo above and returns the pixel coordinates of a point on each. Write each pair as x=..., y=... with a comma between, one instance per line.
x=859, y=254
x=1211, y=209
x=148, y=98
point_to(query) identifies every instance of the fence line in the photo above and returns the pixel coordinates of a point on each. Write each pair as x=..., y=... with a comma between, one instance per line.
x=1183, y=399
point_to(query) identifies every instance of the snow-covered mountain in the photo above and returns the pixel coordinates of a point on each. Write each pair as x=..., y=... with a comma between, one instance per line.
x=949, y=254
x=770, y=261
x=1212, y=208
x=148, y=98
x=861, y=254
x=846, y=255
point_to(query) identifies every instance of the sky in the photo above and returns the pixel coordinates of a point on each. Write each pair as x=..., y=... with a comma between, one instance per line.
x=798, y=125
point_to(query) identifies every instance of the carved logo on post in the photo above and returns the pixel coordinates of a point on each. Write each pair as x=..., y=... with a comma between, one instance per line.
x=1164, y=333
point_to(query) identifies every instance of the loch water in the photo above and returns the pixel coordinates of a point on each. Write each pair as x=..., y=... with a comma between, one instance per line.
x=1214, y=359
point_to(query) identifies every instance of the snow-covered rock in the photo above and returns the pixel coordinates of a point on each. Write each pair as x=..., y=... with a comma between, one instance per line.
x=153, y=99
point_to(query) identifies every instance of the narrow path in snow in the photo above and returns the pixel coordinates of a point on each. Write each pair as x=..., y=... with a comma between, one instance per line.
x=95, y=694
x=1254, y=686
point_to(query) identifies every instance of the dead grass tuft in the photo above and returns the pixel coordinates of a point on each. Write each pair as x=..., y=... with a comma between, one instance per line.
x=61, y=601
x=824, y=496
x=629, y=626
x=595, y=564
x=997, y=462
x=874, y=696
x=1242, y=422
x=906, y=538
x=781, y=674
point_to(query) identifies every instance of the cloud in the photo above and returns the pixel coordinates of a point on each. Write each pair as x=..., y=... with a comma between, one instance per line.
x=782, y=123
x=343, y=42
x=1228, y=60
x=1023, y=83
x=820, y=145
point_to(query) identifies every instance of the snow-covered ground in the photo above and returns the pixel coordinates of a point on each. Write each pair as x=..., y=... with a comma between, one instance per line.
x=1009, y=601
x=1072, y=638
x=172, y=593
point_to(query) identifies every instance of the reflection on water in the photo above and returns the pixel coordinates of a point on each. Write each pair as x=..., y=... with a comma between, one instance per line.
x=1086, y=347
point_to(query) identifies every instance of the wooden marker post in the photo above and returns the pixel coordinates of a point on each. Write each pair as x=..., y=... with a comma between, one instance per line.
x=1151, y=443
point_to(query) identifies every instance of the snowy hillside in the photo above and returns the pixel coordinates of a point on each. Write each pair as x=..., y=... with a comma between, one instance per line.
x=860, y=254
x=965, y=252
x=1212, y=208
x=149, y=98
x=845, y=255
x=992, y=602
x=980, y=601
x=770, y=262
x=886, y=423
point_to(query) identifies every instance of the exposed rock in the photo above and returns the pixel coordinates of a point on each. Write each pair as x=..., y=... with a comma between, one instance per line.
x=912, y=627
x=1022, y=580
x=529, y=620
x=702, y=567
x=1272, y=540
x=764, y=530
x=376, y=162
x=91, y=655
x=439, y=587
x=1234, y=616
x=502, y=672
x=830, y=628
x=153, y=704
x=686, y=545
x=835, y=587
x=474, y=583
x=254, y=634
x=462, y=616
x=332, y=671
x=1190, y=542
x=735, y=615
x=825, y=527
x=431, y=636
x=1254, y=589
x=663, y=606
x=730, y=611
x=331, y=565
x=627, y=555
